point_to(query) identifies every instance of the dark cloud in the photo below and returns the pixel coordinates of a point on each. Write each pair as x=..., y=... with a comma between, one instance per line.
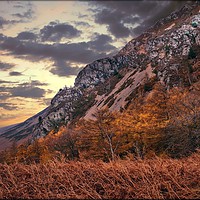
x=6, y=66
x=8, y=106
x=62, y=68
x=11, y=44
x=55, y=31
x=82, y=15
x=2, y=37
x=79, y=23
x=74, y=52
x=4, y=22
x=101, y=43
x=23, y=16
x=83, y=53
x=33, y=83
x=3, y=82
x=27, y=92
x=5, y=89
x=14, y=73
x=112, y=19
x=118, y=14
x=38, y=83
x=26, y=15
x=4, y=96
x=26, y=36
x=26, y=11
x=62, y=54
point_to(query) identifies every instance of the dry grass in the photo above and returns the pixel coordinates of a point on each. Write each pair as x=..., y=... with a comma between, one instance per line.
x=156, y=178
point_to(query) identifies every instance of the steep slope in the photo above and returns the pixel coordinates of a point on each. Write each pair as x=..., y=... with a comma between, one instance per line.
x=160, y=54
x=157, y=55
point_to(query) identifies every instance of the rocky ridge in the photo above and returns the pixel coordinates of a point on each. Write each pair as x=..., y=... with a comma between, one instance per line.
x=154, y=55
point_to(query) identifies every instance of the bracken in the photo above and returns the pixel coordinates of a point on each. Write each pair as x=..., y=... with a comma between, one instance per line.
x=156, y=178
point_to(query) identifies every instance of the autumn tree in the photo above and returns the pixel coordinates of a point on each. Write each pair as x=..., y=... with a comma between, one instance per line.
x=37, y=152
x=182, y=136
x=99, y=136
x=144, y=122
x=22, y=153
x=10, y=155
x=66, y=144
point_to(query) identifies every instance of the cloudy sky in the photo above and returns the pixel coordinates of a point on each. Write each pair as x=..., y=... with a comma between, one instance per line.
x=44, y=44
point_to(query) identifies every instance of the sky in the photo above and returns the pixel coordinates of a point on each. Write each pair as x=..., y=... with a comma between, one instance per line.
x=44, y=44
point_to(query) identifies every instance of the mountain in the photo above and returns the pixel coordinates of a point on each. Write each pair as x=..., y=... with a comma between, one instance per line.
x=168, y=52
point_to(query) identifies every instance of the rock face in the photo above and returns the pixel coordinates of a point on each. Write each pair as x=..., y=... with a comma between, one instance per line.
x=157, y=54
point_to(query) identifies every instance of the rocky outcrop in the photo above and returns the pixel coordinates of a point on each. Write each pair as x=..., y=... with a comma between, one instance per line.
x=155, y=54
x=59, y=111
x=98, y=71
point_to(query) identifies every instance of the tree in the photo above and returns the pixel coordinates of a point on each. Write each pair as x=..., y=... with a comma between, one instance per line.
x=182, y=136
x=98, y=135
x=66, y=144
x=35, y=151
x=11, y=154
x=22, y=154
x=144, y=122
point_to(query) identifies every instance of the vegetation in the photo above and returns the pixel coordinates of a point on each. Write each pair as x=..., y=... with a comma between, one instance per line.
x=129, y=179
x=150, y=150
x=161, y=122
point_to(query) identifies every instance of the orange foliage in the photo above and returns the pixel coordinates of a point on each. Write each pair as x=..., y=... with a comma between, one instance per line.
x=143, y=179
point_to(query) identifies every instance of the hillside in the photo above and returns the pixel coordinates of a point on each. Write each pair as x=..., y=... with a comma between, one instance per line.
x=167, y=53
